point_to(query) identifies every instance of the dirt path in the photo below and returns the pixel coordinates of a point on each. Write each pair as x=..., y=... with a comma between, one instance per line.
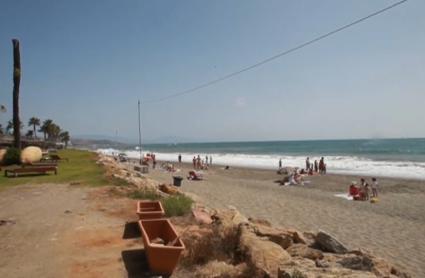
x=67, y=231
x=30, y=247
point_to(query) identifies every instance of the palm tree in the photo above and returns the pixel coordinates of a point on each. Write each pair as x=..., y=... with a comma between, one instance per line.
x=45, y=127
x=16, y=85
x=29, y=134
x=53, y=132
x=10, y=128
x=65, y=138
x=34, y=122
x=1, y=130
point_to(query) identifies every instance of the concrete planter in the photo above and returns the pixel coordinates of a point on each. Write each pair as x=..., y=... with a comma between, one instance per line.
x=150, y=210
x=162, y=257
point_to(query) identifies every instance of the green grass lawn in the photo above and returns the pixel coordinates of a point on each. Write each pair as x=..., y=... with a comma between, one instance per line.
x=81, y=168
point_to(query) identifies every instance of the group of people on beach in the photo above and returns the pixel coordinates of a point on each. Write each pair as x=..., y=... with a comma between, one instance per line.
x=316, y=167
x=311, y=167
x=201, y=164
x=362, y=192
x=150, y=157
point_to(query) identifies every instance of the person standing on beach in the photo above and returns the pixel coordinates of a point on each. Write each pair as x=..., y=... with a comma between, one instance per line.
x=316, y=166
x=307, y=164
x=198, y=162
x=374, y=188
x=194, y=162
x=180, y=158
x=364, y=190
x=322, y=165
x=206, y=160
x=210, y=160
x=280, y=163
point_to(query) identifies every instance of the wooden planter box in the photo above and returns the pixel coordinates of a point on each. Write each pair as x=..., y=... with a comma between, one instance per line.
x=150, y=210
x=162, y=258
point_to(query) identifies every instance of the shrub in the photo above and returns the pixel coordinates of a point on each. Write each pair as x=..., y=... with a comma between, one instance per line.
x=147, y=194
x=298, y=274
x=12, y=156
x=177, y=205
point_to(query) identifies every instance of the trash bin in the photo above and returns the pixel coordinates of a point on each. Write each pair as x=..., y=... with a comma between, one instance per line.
x=177, y=181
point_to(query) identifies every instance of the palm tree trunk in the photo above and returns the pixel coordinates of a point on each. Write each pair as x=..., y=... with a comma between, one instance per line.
x=16, y=83
x=35, y=135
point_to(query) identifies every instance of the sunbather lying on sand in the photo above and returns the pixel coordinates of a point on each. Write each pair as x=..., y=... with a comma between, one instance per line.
x=193, y=175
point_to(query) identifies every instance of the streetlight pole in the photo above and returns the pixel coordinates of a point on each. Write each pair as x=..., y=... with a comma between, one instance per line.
x=140, y=136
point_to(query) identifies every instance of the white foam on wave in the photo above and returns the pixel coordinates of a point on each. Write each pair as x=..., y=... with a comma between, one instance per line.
x=335, y=164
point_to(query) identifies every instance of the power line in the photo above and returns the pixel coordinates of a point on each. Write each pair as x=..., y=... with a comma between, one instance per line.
x=321, y=37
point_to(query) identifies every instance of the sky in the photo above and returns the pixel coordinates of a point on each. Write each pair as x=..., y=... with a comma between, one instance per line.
x=85, y=64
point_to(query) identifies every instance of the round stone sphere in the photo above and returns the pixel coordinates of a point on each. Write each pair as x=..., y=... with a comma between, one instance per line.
x=31, y=154
x=2, y=153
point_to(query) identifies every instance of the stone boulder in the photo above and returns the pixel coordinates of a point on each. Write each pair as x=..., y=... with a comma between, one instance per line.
x=169, y=189
x=276, y=235
x=328, y=243
x=220, y=269
x=201, y=215
x=200, y=245
x=230, y=218
x=302, y=250
x=360, y=260
x=262, y=256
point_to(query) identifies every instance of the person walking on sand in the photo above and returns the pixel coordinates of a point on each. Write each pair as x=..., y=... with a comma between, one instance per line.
x=280, y=163
x=194, y=162
x=180, y=158
x=374, y=188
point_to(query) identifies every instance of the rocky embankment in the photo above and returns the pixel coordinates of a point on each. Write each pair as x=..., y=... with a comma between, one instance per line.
x=227, y=244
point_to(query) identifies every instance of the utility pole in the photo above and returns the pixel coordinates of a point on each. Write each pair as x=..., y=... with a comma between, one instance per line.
x=140, y=136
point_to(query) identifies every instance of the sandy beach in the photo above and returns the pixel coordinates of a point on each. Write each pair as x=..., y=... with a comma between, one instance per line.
x=392, y=229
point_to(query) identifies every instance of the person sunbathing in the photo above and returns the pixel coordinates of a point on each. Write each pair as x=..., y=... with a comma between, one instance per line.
x=354, y=191
x=193, y=175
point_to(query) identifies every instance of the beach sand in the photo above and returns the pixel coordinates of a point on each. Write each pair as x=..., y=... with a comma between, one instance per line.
x=394, y=228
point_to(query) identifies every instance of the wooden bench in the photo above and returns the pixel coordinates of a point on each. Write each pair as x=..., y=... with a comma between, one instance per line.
x=31, y=169
x=41, y=164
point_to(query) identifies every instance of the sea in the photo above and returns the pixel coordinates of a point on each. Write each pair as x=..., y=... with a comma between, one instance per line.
x=401, y=158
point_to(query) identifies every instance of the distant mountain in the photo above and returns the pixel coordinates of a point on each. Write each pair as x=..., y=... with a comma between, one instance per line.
x=105, y=137
x=105, y=140
x=94, y=144
x=171, y=140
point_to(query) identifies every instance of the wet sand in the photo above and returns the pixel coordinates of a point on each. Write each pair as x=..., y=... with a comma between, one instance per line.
x=394, y=228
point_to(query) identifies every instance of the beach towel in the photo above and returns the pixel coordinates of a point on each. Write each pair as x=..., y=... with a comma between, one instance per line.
x=344, y=196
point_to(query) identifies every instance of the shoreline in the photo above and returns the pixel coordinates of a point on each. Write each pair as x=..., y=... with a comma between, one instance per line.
x=345, y=165
x=355, y=177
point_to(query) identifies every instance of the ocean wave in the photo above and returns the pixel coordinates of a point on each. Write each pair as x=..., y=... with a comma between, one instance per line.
x=352, y=165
